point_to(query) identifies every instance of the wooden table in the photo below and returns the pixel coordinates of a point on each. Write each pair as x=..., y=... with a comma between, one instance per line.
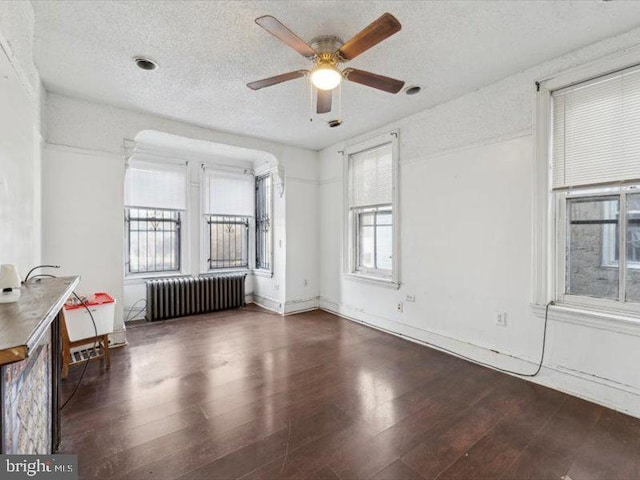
x=30, y=362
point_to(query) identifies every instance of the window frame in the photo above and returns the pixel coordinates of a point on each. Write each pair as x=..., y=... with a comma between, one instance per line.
x=260, y=268
x=350, y=231
x=548, y=217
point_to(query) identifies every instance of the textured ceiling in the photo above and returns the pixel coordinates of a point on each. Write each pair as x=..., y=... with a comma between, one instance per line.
x=208, y=51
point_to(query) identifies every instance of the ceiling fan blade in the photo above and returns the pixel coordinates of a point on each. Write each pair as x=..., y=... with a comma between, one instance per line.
x=380, y=29
x=369, y=79
x=323, y=103
x=278, y=30
x=267, y=82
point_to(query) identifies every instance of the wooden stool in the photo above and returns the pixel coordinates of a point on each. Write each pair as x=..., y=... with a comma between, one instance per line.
x=101, y=342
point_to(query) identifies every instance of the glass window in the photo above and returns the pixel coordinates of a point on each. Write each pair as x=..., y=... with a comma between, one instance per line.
x=153, y=240
x=375, y=245
x=228, y=241
x=632, y=287
x=590, y=222
x=263, y=222
x=370, y=197
x=594, y=265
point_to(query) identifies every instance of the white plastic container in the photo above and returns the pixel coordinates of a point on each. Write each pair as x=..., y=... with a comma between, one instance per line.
x=78, y=320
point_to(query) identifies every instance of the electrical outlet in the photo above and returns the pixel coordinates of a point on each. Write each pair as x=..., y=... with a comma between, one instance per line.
x=276, y=287
x=306, y=282
x=410, y=298
x=501, y=319
x=400, y=307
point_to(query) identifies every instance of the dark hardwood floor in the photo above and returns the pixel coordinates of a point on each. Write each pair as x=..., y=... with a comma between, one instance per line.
x=246, y=394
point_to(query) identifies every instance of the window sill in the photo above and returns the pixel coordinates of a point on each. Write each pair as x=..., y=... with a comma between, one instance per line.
x=381, y=282
x=223, y=271
x=614, y=321
x=140, y=279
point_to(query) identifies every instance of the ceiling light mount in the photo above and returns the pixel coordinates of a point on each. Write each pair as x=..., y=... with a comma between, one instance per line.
x=326, y=44
x=145, y=63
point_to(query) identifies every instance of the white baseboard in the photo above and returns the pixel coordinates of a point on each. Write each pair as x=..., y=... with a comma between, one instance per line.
x=616, y=396
x=268, y=303
x=119, y=337
x=292, y=307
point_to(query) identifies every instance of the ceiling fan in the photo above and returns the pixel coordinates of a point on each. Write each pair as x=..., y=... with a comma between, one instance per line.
x=327, y=52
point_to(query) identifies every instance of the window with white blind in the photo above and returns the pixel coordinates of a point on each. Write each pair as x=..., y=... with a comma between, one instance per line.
x=155, y=202
x=228, y=206
x=596, y=187
x=371, y=173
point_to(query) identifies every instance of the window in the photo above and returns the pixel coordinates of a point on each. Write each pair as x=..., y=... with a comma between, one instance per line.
x=153, y=240
x=155, y=200
x=375, y=240
x=596, y=179
x=228, y=242
x=228, y=208
x=371, y=174
x=263, y=222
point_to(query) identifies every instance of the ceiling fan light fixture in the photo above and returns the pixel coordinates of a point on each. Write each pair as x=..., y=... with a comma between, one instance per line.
x=326, y=77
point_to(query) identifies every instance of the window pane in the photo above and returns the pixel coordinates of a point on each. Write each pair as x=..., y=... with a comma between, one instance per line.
x=263, y=222
x=384, y=243
x=154, y=240
x=633, y=248
x=383, y=218
x=367, y=251
x=592, y=243
x=367, y=218
x=228, y=241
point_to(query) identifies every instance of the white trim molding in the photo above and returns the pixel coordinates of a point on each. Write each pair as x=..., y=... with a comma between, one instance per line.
x=589, y=317
x=269, y=303
x=291, y=307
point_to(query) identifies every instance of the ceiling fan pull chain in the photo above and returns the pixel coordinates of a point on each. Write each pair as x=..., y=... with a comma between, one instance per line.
x=310, y=101
x=340, y=102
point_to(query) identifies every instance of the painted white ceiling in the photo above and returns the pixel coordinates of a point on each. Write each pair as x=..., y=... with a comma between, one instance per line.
x=208, y=51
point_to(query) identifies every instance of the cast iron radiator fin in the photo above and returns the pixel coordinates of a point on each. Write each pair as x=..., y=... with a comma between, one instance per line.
x=182, y=296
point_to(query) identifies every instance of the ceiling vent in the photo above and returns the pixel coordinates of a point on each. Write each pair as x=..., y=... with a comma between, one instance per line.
x=145, y=63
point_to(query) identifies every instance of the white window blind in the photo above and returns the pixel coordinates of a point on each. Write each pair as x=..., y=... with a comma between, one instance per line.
x=228, y=193
x=155, y=185
x=596, y=131
x=371, y=177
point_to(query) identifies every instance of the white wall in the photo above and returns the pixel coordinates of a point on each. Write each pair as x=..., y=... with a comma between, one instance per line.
x=83, y=231
x=303, y=256
x=84, y=143
x=466, y=213
x=20, y=94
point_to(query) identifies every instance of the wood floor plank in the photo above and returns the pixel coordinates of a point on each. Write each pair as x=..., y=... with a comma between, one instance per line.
x=252, y=395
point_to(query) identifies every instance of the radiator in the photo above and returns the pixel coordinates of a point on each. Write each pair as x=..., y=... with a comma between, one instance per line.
x=179, y=297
